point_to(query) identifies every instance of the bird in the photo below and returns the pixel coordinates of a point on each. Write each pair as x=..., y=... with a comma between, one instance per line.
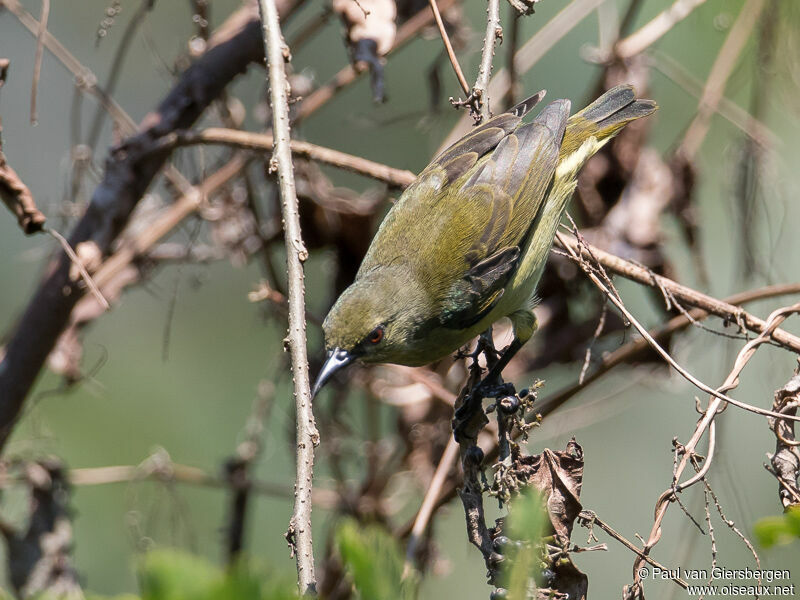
x=467, y=242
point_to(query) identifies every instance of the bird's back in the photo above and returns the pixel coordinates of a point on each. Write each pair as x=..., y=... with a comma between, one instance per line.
x=476, y=199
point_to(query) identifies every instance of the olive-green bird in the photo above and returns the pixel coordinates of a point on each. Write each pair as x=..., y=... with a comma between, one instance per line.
x=467, y=242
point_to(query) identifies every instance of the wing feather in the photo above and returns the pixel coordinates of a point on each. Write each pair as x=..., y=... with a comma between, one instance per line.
x=470, y=210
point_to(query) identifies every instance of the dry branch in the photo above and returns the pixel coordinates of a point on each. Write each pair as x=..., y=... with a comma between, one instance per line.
x=639, y=41
x=264, y=142
x=723, y=66
x=347, y=75
x=527, y=56
x=784, y=464
x=17, y=196
x=493, y=32
x=687, y=295
x=299, y=533
x=129, y=173
x=706, y=423
x=449, y=47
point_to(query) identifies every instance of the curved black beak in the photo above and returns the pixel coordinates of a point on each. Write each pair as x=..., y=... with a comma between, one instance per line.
x=337, y=359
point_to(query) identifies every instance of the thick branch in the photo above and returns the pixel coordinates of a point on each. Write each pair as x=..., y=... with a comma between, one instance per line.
x=299, y=533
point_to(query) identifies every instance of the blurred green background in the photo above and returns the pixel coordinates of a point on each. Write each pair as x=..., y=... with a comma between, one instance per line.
x=195, y=402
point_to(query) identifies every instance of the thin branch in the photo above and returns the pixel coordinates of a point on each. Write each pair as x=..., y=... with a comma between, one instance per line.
x=640, y=40
x=17, y=196
x=493, y=32
x=449, y=47
x=632, y=349
x=159, y=467
x=265, y=142
x=527, y=56
x=78, y=264
x=589, y=518
x=707, y=421
x=426, y=510
x=37, y=63
x=616, y=301
x=170, y=218
x=84, y=78
x=347, y=75
x=687, y=295
x=299, y=532
x=720, y=72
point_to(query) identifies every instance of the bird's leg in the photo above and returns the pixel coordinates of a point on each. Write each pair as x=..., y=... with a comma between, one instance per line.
x=492, y=386
x=525, y=325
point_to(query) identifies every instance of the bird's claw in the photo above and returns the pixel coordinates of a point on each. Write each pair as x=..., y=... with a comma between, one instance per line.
x=485, y=389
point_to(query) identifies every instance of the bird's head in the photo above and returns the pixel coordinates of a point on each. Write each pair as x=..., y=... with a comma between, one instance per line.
x=373, y=321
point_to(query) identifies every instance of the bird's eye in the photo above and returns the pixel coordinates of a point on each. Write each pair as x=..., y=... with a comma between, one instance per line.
x=376, y=335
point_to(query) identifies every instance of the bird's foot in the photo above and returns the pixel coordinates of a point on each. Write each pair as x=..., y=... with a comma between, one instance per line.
x=493, y=387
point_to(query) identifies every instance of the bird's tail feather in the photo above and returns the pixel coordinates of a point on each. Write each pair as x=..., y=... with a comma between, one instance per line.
x=613, y=110
x=589, y=129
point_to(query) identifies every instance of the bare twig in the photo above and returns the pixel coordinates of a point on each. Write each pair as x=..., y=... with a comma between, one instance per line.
x=426, y=510
x=78, y=264
x=235, y=45
x=635, y=347
x=265, y=142
x=299, y=533
x=645, y=37
x=720, y=72
x=183, y=206
x=449, y=47
x=588, y=518
x=707, y=423
x=17, y=196
x=616, y=301
x=683, y=293
x=159, y=467
x=347, y=75
x=493, y=32
x=528, y=55
x=37, y=64
x=86, y=80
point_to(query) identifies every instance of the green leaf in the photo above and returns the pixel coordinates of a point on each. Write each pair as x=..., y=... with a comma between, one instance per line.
x=174, y=575
x=779, y=530
x=373, y=559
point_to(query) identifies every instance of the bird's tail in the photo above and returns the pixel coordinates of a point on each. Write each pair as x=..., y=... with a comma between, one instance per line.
x=588, y=130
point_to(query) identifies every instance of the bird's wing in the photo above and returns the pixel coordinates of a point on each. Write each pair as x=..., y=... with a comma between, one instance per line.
x=461, y=225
